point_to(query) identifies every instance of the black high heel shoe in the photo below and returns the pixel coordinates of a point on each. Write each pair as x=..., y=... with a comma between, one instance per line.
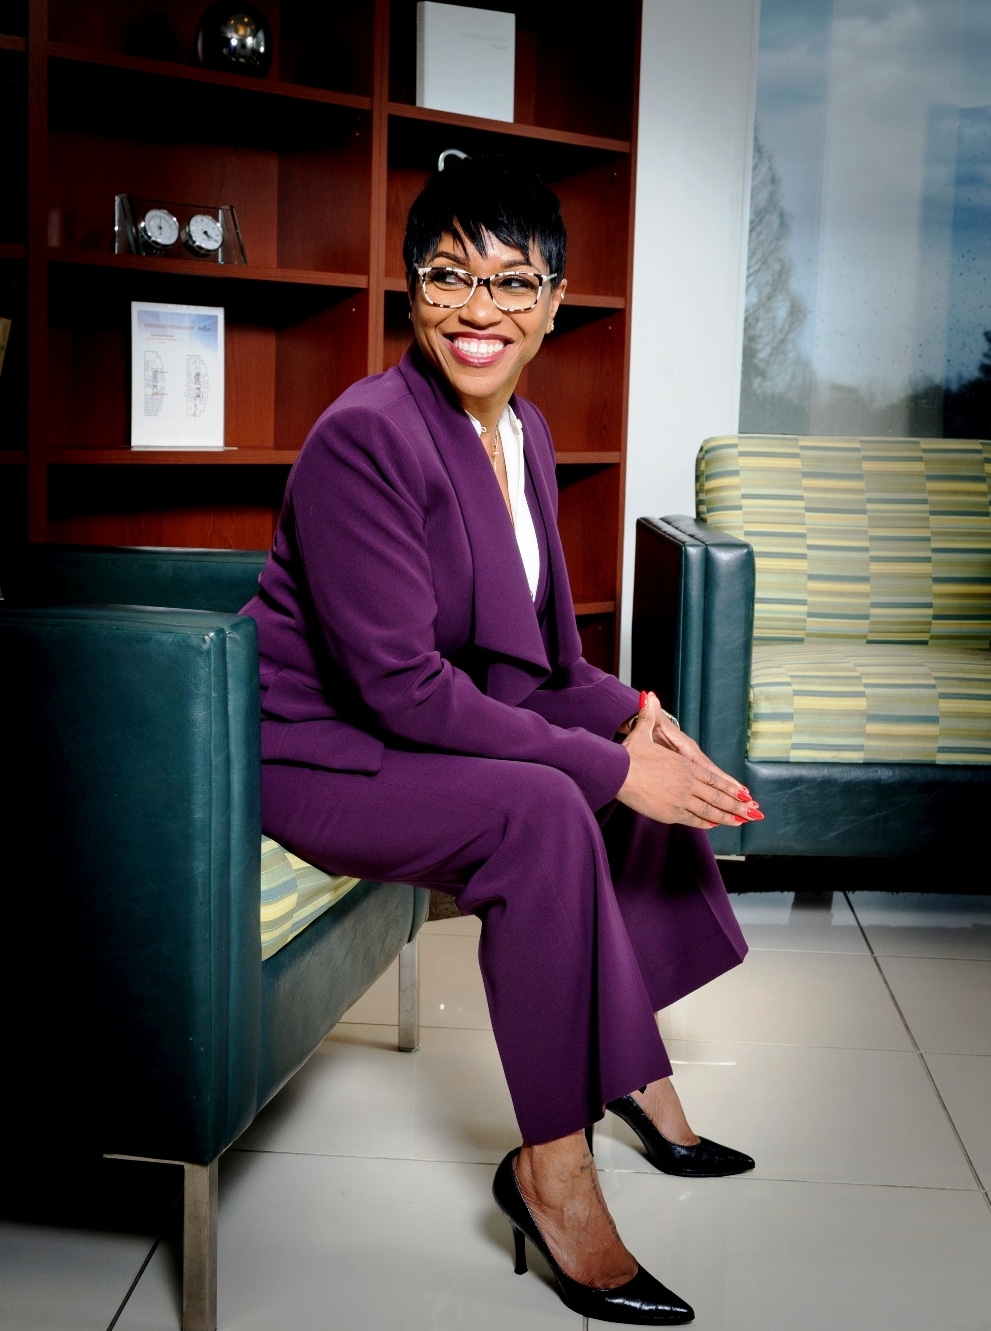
x=642, y=1301
x=706, y=1159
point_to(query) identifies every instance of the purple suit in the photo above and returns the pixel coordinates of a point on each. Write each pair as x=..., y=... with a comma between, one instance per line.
x=424, y=720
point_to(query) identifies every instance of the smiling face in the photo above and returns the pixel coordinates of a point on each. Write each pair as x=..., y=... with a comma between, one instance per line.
x=479, y=349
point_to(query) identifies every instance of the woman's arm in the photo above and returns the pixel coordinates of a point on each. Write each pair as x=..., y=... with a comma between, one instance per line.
x=359, y=499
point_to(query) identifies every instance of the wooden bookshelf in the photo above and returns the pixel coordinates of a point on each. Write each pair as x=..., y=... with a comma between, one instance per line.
x=321, y=159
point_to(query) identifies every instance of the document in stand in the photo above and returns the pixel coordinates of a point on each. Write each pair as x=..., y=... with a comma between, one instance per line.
x=177, y=376
x=465, y=60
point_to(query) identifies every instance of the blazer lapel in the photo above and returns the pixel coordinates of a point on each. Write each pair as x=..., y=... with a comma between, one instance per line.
x=505, y=622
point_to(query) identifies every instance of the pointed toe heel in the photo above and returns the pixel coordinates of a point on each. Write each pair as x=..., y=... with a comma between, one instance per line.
x=642, y=1301
x=706, y=1159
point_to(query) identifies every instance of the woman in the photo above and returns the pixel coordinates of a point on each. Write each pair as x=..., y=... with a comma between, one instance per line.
x=428, y=718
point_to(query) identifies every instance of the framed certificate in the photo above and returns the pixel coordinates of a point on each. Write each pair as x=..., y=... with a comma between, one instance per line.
x=177, y=376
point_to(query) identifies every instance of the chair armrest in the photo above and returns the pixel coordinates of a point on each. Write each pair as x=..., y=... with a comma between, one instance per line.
x=44, y=574
x=133, y=733
x=693, y=612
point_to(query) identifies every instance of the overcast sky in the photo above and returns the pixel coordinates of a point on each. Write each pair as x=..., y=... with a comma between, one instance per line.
x=878, y=116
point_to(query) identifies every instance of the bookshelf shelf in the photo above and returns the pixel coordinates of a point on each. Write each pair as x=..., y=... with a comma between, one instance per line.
x=147, y=69
x=153, y=457
x=151, y=266
x=509, y=129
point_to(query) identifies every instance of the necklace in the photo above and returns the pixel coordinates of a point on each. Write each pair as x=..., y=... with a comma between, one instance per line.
x=496, y=446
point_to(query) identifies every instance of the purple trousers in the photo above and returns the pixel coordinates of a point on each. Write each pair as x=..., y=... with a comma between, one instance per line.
x=590, y=924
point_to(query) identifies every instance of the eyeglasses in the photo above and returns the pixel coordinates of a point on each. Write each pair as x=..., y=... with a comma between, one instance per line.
x=450, y=288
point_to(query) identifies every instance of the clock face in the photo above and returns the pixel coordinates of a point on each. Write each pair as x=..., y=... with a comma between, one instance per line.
x=203, y=234
x=160, y=228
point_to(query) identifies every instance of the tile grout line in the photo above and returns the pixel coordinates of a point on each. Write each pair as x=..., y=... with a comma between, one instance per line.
x=922, y=1058
x=134, y=1284
x=626, y=1171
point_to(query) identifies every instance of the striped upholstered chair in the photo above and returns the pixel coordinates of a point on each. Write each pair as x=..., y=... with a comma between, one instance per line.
x=822, y=627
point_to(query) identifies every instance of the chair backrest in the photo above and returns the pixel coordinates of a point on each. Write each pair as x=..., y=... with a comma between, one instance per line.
x=872, y=540
x=130, y=575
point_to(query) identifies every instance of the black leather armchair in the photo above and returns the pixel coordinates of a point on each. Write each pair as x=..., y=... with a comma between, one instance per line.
x=131, y=745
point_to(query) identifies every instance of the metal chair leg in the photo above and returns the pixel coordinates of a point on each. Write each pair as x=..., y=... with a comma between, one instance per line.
x=199, y=1240
x=199, y=1247
x=409, y=996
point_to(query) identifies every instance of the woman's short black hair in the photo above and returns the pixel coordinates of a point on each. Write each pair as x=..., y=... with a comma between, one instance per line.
x=493, y=194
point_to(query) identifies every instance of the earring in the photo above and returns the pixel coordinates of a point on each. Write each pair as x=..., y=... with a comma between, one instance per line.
x=550, y=326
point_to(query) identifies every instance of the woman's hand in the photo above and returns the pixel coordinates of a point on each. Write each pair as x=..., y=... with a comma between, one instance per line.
x=672, y=781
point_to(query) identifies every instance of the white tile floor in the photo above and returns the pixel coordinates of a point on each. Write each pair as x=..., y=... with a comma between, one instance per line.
x=851, y=1054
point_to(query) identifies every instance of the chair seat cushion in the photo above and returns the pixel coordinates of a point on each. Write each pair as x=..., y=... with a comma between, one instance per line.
x=294, y=893
x=861, y=702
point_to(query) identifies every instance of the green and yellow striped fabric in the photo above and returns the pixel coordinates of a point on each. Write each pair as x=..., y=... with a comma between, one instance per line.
x=850, y=703
x=294, y=893
x=870, y=540
x=872, y=603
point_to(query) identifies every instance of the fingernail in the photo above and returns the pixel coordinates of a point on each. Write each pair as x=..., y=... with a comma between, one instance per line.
x=755, y=816
x=738, y=819
x=643, y=699
x=713, y=824
x=743, y=793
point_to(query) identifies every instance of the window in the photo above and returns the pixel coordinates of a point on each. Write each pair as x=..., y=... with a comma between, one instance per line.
x=869, y=266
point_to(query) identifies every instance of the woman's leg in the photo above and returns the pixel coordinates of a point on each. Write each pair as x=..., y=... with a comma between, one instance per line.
x=572, y=1017
x=516, y=844
x=673, y=902
x=660, y=870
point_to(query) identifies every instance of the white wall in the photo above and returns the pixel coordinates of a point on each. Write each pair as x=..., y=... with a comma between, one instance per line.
x=697, y=80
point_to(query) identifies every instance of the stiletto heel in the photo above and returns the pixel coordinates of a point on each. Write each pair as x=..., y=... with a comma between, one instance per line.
x=520, y=1238
x=706, y=1159
x=642, y=1301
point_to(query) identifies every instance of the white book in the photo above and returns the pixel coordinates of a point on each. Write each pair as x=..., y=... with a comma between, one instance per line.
x=465, y=60
x=177, y=376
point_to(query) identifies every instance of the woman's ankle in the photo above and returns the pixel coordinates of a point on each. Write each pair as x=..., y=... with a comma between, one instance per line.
x=661, y=1103
x=560, y=1185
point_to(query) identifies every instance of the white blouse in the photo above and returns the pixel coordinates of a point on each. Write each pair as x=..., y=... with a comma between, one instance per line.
x=511, y=434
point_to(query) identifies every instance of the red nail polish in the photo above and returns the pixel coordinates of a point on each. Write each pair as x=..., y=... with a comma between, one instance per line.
x=743, y=793
x=643, y=699
x=738, y=819
x=755, y=816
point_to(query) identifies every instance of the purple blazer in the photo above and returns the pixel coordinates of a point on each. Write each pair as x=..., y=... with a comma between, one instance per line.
x=394, y=611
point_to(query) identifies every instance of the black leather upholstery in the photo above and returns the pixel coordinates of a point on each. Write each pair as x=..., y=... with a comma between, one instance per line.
x=137, y=575
x=132, y=741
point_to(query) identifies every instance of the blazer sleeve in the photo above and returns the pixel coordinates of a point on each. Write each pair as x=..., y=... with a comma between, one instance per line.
x=358, y=497
x=583, y=695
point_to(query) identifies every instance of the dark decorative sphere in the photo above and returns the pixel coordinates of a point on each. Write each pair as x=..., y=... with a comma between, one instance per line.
x=236, y=38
